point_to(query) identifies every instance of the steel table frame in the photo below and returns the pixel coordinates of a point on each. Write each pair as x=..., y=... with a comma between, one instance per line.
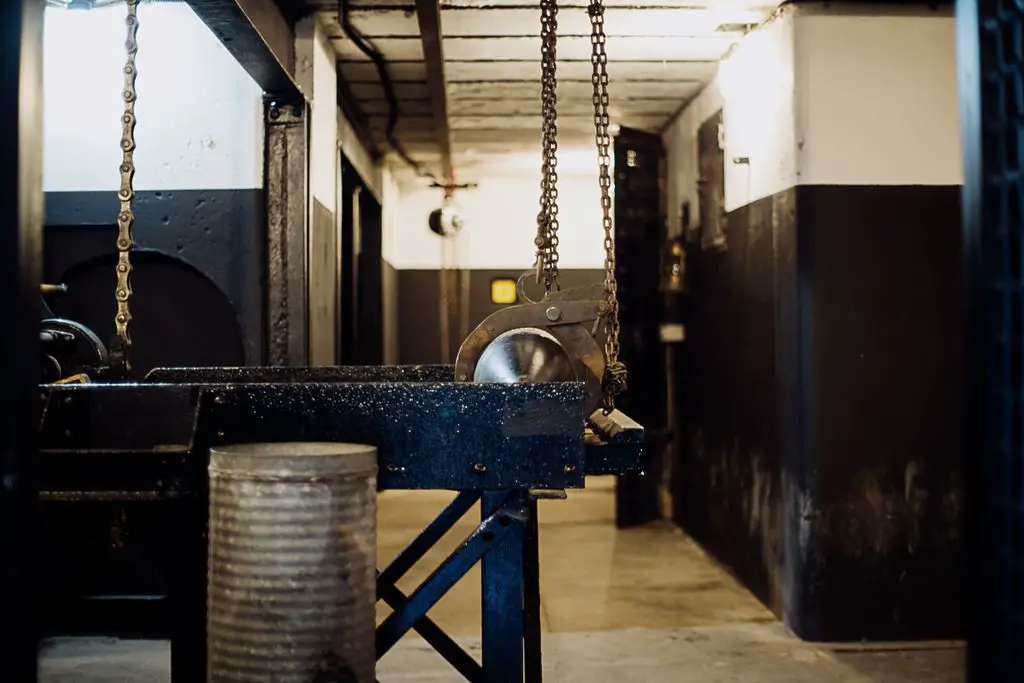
x=502, y=445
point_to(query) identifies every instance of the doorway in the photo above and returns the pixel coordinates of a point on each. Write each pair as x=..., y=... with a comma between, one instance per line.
x=360, y=335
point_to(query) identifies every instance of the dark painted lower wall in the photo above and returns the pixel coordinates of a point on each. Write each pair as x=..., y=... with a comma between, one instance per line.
x=823, y=411
x=198, y=299
x=198, y=295
x=727, y=482
x=419, y=313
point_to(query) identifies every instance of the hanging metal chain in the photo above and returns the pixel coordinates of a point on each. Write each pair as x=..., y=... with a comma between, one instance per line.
x=615, y=371
x=126, y=195
x=547, y=220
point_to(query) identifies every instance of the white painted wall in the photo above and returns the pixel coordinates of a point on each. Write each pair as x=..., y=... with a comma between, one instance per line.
x=680, y=140
x=877, y=98
x=389, y=286
x=825, y=96
x=369, y=170
x=200, y=114
x=757, y=83
x=317, y=76
x=754, y=88
x=500, y=218
x=391, y=214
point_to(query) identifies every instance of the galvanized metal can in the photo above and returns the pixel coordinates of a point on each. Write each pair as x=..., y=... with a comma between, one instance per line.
x=292, y=563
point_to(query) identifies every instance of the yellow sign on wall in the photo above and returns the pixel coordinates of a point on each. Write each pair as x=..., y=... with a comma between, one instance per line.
x=503, y=291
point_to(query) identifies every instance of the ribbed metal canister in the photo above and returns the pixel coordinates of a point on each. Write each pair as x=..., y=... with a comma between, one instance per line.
x=292, y=563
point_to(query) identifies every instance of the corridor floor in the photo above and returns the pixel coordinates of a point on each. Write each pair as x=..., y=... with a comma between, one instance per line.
x=631, y=606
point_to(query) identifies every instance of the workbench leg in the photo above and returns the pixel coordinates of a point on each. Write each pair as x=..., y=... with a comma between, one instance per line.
x=531, y=598
x=502, y=600
x=188, y=628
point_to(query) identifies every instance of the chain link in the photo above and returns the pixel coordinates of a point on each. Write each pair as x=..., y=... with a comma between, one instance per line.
x=615, y=371
x=547, y=220
x=126, y=195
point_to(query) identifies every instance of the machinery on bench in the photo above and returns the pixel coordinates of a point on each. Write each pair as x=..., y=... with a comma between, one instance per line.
x=526, y=413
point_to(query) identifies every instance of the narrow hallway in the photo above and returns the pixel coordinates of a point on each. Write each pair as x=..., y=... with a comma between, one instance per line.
x=642, y=605
x=636, y=605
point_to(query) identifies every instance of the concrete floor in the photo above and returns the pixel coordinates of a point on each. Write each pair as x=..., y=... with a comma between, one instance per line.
x=611, y=614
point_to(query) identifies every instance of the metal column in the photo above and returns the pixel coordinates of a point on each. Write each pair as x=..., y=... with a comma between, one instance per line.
x=502, y=629
x=991, y=65
x=21, y=200
x=287, y=232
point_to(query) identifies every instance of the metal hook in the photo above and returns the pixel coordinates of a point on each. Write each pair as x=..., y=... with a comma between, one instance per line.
x=521, y=288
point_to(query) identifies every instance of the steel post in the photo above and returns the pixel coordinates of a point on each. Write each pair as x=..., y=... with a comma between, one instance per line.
x=21, y=200
x=532, y=653
x=991, y=75
x=287, y=151
x=502, y=629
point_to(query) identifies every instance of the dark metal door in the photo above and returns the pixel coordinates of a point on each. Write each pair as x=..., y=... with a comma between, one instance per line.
x=351, y=231
x=711, y=183
x=360, y=326
x=371, y=303
x=639, y=233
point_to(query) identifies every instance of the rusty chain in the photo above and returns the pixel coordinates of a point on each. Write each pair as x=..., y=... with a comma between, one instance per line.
x=615, y=370
x=547, y=220
x=126, y=195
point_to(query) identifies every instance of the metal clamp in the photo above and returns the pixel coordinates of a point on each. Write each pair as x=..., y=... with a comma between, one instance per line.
x=571, y=316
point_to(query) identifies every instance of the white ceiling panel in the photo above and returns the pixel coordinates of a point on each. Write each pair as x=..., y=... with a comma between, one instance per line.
x=332, y=5
x=618, y=71
x=579, y=107
x=532, y=122
x=704, y=48
x=373, y=91
x=576, y=21
x=412, y=107
x=660, y=54
x=572, y=91
x=573, y=48
x=730, y=5
x=653, y=22
x=402, y=49
x=528, y=72
x=366, y=72
x=407, y=130
x=374, y=23
x=516, y=136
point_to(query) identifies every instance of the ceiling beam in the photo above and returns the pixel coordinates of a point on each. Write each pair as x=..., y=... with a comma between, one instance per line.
x=428, y=13
x=258, y=36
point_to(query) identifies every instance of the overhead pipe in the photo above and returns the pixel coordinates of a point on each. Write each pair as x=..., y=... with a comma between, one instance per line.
x=394, y=109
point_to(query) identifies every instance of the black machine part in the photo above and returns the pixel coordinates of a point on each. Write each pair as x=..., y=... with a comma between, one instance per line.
x=69, y=348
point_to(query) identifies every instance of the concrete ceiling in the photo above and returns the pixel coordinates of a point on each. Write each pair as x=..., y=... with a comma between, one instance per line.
x=660, y=54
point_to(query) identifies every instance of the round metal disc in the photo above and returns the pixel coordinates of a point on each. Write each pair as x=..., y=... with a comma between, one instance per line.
x=526, y=354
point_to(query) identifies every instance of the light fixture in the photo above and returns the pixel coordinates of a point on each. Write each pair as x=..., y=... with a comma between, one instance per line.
x=444, y=222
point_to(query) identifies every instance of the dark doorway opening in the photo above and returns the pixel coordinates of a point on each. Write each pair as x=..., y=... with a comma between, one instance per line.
x=711, y=183
x=180, y=318
x=639, y=234
x=361, y=321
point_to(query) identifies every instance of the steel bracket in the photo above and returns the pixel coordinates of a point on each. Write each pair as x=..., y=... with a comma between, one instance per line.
x=506, y=542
